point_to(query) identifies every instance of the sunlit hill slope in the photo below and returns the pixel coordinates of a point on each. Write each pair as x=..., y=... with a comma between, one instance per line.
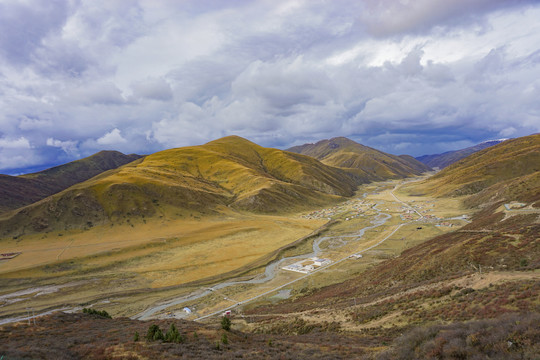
x=368, y=163
x=507, y=161
x=230, y=172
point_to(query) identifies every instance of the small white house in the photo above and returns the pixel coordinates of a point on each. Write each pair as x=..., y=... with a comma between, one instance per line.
x=187, y=310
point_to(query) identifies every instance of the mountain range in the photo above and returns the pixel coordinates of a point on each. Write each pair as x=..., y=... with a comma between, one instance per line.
x=228, y=173
x=450, y=157
x=501, y=165
x=468, y=293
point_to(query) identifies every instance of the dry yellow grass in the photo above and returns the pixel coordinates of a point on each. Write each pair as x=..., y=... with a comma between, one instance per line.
x=178, y=251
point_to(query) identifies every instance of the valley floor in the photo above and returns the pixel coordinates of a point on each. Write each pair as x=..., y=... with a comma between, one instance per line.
x=212, y=264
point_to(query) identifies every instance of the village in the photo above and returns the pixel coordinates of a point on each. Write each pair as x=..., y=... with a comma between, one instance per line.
x=355, y=207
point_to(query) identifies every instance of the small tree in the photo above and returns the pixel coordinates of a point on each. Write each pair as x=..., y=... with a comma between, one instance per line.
x=173, y=335
x=226, y=323
x=158, y=335
x=154, y=333
x=136, y=336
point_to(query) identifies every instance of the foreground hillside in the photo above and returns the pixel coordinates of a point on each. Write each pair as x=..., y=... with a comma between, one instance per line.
x=228, y=173
x=84, y=336
x=18, y=191
x=448, y=158
x=370, y=164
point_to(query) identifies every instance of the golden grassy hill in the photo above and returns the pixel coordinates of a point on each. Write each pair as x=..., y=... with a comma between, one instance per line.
x=368, y=163
x=18, y=191
x=499, y=164
x=230, y=172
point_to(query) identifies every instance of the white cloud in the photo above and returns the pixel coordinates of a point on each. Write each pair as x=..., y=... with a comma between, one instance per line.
x=68, y=146
x=114, y=137
x=20, y=143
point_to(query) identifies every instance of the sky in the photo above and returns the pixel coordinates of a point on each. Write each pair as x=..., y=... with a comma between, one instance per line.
x=404, y=76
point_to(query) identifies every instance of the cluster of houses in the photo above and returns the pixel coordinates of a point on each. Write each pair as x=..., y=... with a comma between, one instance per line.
x=354, y=206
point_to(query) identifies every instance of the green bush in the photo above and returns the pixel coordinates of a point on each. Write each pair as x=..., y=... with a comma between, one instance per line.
x=101, y=313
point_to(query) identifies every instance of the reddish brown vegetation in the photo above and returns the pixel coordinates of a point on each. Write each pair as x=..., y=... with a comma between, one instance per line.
x=84, y=336
x=509, y=337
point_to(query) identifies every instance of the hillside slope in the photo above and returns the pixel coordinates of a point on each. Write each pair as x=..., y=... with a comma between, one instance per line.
x=368, y=163
x=508, y=160
x=230, y=172
x=18, y=191
x=448, y=158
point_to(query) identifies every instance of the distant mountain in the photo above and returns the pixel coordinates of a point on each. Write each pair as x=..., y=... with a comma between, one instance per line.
x=450, y=157
x=17, y=191
x=229, y=172
x=368, y=163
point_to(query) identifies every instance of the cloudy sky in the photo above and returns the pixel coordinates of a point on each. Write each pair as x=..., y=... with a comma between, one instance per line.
x=404, y=76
